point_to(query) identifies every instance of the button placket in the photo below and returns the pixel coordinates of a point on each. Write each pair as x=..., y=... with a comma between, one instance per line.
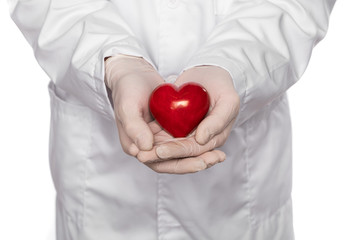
x=164, y=220
x=171, y=79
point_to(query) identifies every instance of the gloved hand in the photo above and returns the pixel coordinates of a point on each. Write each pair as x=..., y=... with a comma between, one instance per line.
x=211, y=133
x=225, y=103
x=131, y=80
x=184, y=161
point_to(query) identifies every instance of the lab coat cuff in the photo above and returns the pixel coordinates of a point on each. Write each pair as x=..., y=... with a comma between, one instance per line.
x=103, y=100
x=235, y=71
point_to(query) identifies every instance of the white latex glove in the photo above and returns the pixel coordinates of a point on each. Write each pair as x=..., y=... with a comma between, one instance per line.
x=131, y=80
x=184, y=161
x=211, y=133
x=225, y=103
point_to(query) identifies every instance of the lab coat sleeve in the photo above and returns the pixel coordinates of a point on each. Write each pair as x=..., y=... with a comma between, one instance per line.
x=265, y=45
x=71, y=38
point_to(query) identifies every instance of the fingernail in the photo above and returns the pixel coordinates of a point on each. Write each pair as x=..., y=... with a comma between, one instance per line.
x=163, y=152
x=200, y=165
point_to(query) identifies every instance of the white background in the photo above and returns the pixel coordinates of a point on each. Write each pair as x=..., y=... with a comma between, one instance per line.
x=318, y=117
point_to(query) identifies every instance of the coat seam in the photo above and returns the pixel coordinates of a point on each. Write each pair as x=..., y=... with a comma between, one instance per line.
x=62, y=205
x=158, y=200
x=276, y=212
x=249, y=190
x=159, y=204
x=85, y=172
x=160, y=63
x=257, y=221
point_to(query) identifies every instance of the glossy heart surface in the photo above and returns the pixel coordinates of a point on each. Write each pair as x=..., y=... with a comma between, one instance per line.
x=179, y=110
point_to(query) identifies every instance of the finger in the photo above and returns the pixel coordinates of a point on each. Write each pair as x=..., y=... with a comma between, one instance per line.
x=224, y=111
x=188, y=165
x=172, y=146
x=127, y=145
x=135, y=127
x=213, y=157
x=155, y=127
x=148, y=156
x=220, y=139
x=181, y=148
x=138, y=131
x=160, y=137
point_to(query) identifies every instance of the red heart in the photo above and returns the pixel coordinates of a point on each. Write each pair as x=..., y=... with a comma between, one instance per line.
x=179, y=110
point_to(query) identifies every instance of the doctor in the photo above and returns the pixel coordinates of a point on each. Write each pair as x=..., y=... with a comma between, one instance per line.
x=105, y=57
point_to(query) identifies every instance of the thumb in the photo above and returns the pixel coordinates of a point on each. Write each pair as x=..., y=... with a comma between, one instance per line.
x=139, y=132
x=219, y=118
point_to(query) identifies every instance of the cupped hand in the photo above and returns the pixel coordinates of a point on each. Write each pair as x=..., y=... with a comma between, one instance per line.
x=212, y=132
x=225, y=103
x=131, y=80
x=182, y=163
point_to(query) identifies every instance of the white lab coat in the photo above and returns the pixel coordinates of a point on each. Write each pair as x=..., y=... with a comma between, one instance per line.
x=102, y=193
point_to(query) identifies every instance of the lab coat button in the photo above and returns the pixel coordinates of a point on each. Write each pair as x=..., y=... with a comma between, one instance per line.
x=171, y=79
x=173, y=3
